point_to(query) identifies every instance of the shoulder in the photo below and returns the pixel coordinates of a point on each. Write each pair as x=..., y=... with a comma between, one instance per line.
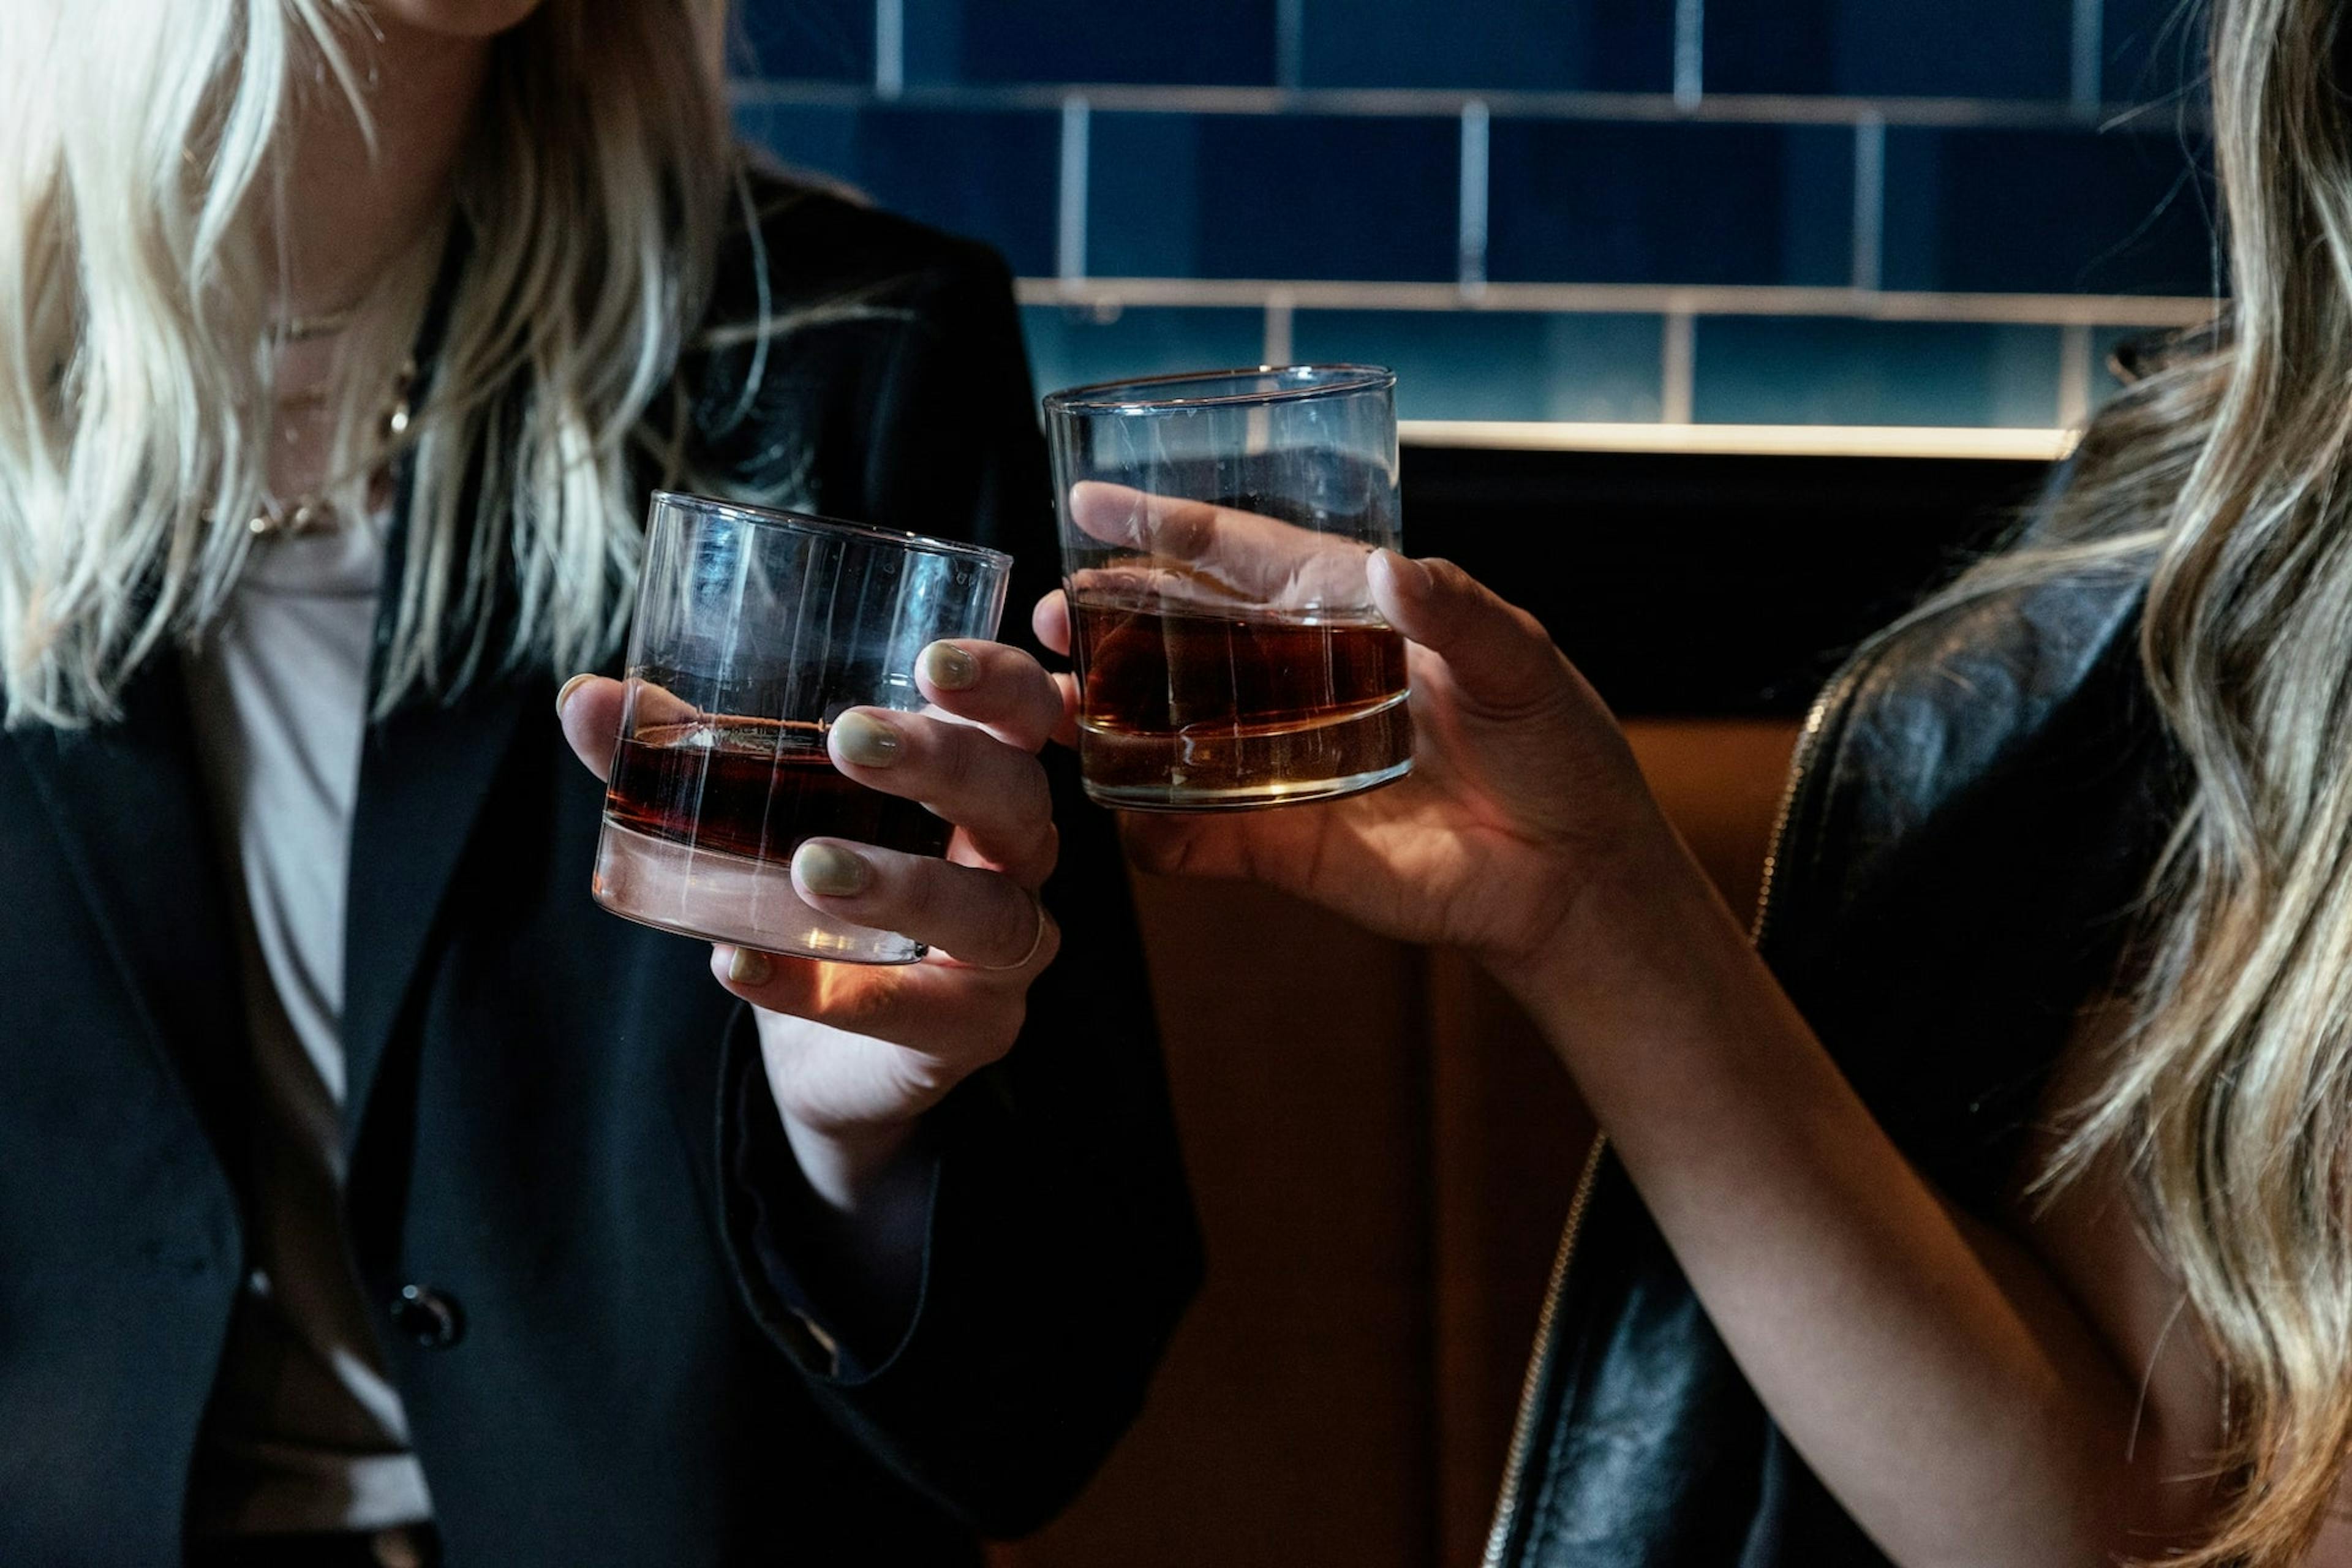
x=835, y=331
x=1941, y=701
x=1943, y=740
x=793, y=248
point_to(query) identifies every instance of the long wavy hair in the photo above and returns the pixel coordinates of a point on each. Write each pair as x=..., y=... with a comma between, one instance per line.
x=138, y=188
x=2221, y=482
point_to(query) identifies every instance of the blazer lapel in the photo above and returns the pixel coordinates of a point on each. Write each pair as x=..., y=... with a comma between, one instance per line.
x=128, y=803
x=425, y=775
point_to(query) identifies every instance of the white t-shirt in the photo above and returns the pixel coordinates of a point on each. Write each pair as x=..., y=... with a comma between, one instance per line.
x=305, y=1431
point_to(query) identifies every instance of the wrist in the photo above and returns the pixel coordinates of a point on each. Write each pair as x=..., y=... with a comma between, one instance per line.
x=1635, y=905
x=852, y=1168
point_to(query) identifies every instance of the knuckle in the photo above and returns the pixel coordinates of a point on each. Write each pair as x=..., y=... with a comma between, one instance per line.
x=1014, y=926
x=1049, y=945
x=1048, y=854
x=918, y=893
x=959, y=754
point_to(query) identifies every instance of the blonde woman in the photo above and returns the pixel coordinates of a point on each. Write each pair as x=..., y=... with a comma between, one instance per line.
x=1999, y=1213
x=364, y=1192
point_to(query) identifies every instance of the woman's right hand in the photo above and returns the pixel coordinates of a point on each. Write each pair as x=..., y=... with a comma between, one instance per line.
x=1523, y=794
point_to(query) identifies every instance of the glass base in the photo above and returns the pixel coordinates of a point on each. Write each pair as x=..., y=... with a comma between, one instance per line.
x=1245, y=767
x=719, y=897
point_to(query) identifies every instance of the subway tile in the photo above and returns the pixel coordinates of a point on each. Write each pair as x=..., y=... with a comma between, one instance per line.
x=1770, y=370
x=1245, y=195
x=1593, y=203
x=1072, y=346
x=803, y=40
x=1478, y=364
x=1618, y=46
x=2153, y=51
x=1205, y=43
x=990, y=175
x=1982, y=48
x=2044, y=211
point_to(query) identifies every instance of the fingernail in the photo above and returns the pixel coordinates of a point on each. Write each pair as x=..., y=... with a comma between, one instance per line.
x=863, y=738
x=1409, y=575
x=830, y=870
x=571, y=686
x=750, y=967
x=948, y=667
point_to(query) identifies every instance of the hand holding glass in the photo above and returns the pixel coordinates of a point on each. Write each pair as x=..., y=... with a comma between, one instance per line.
x=756, y=631
x=1215, y=534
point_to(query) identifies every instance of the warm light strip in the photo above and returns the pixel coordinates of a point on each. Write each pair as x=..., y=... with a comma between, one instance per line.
x=1744, y=440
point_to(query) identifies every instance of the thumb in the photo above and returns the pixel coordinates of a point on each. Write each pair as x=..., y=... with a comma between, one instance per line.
x=1500, y=657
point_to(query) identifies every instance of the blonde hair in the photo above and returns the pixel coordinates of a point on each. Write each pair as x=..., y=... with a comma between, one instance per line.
x=2219, y=481
x=135, y=353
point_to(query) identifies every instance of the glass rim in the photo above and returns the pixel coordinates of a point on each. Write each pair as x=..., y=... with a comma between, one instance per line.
x=1133, y=395
x=812, y=522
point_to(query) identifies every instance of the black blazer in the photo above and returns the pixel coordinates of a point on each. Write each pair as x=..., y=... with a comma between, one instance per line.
x=561, y=1148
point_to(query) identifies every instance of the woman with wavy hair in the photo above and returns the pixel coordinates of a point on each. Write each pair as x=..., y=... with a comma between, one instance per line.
x=1995, y=1206
x=365, y=1192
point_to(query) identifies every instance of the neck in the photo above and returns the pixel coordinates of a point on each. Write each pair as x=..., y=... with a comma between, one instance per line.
x=351, y=211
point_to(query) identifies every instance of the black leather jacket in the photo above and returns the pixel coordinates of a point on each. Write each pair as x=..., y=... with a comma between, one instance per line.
x=1975, y=808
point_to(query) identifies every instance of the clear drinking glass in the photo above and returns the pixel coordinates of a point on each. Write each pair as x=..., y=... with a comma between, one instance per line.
x=1216, y=530
x=755, y=630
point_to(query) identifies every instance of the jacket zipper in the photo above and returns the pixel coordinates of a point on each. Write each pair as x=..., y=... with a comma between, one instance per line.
x=1514, y=1464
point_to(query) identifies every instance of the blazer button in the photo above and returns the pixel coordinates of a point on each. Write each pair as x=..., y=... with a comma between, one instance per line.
x=429, y=1317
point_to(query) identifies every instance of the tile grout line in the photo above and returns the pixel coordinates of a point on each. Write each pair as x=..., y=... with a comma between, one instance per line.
x=889, y=47
x=1274, y=346
x=2074, y=375
x=1869, y=204
x=2089, y=47
x=1677, y=367
x=1471, y=230
x=1690, y=53
x=1070, y=236
x=1290, y=44
x=1424, y=103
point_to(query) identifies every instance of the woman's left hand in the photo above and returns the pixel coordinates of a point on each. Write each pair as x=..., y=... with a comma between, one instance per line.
x=856, y=1054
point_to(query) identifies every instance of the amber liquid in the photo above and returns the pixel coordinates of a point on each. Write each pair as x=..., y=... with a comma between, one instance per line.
x=756, y=788
x=1183, y=710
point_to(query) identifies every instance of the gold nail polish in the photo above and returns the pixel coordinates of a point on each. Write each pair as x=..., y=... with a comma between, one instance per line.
x=831, y=871
x=750, y=967
x=865, y=740
x=950, y=667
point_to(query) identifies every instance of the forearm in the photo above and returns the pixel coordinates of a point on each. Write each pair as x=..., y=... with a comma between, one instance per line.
x=1952, y=1421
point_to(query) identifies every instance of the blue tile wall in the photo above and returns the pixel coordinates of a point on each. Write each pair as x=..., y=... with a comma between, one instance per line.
x=2152, y=51
x=1611, y=46
x=2045, y=212
x=1769, y=370
x=1216, y=42
x=1249, y=195
x=1497, y=364
x=1872, y=47
x=1326, y=142
x=804, y=40
x=990, y=173
x=1598, y=203
x=1074, y=346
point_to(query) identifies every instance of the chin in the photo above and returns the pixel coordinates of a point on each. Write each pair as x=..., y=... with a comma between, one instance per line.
x=456, y=18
